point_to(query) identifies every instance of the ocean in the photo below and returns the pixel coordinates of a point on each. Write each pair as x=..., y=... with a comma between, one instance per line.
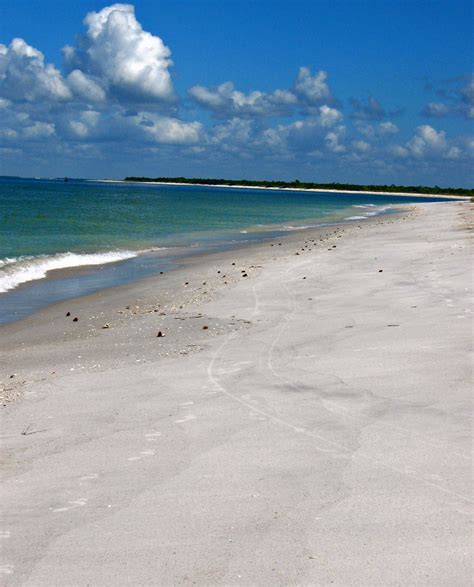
x=109, y=234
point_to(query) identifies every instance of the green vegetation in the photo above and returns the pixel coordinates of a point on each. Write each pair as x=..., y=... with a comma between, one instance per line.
x=415, y=189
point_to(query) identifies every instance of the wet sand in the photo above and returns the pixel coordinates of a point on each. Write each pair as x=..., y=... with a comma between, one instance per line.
x=304, y=419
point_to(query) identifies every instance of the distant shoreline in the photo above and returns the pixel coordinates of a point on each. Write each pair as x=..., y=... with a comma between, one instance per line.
x=294, y=189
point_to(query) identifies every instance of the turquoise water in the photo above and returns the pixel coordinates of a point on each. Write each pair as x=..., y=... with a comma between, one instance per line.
x=122, y=232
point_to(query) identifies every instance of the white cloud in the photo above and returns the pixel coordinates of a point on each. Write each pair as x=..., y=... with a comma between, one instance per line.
x=361, y=146
x=467, y=91
x=276, y=138
x=85, y=87
x=308, y=134
x=458, y=100
x=399, y=151
x=307, y=93
x=132, y=63
x=333, y=140
x=86, y=124
x=163, y=129
x=312, y=89
x=137, y=128
x=8, y=133
x=79, y=128
x=225, y=100
x=372, y=131
x=436, y=109
x=39, y=130
x=427, y=143
x=235, y=130
x=426, y=139
x=25, y=76
x=453, y=153
x=372, y=110
x=388, y=128
x=118, y=79
x=469, y=144
x=329, y=116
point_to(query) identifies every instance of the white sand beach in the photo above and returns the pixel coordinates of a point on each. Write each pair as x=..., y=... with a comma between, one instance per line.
x=305, y=419
x=320, y=190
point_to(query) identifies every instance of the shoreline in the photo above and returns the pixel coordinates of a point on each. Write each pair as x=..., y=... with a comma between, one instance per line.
x=317, y=190
x=174, y=256
x=205, y=276
x=324, y=397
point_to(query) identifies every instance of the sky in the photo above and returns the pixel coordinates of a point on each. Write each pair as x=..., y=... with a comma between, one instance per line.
x=357, y=91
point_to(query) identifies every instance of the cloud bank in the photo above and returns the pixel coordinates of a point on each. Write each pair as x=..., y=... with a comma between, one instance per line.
x=113, y=102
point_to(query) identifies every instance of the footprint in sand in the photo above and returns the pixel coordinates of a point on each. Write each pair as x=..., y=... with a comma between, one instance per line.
x=76, y=503
x=152, y=436
x=142, y=455
x=6, y=569
x=89, y=477
x=185, y=419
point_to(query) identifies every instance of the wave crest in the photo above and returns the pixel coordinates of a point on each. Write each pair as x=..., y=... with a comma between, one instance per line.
x=17, y=270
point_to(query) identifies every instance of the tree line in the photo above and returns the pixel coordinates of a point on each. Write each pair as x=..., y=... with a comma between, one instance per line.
x=303, y=185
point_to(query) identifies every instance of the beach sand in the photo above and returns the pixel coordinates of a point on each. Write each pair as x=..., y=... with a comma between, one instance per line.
x=320, y=190
x=306, y=419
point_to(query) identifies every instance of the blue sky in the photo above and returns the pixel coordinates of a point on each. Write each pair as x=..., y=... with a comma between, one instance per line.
x=354, y=91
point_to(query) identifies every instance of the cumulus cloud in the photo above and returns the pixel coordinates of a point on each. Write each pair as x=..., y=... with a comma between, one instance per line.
x=333, y=140
x=114, y=59
x=115, y=96
x=143, y=128
x=247, y=137
x=8, y=133
x=371, y=110
x=224, y=100
x=25, y=76
x=388, y=128
x=427, y=143
x=131, y=63
x=312, y=89
x=170, y=130
x=308, y=134
x=117, y=74
x=236, y=131
x=39, y=130
x=376, y=131
x=84, y=124
x=436, y=109
x=467, y=96
x=361, y=146
x=457, y=100
x=329, y=116
x=426, y=138
x=84, y=87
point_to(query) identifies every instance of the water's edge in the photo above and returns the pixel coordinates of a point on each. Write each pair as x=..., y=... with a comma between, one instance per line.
x=61, y=283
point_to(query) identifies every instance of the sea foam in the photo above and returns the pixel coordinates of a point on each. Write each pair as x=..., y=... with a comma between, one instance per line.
x=366, y=215
x=17, y=270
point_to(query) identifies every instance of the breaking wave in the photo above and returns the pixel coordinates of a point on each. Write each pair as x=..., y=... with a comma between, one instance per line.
x=379, y=210
x=17, y=270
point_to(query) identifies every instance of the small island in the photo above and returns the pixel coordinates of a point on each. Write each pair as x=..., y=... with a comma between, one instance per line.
x=302, y=185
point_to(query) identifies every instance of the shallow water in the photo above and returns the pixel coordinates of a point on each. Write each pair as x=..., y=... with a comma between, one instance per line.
x=118, y=233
